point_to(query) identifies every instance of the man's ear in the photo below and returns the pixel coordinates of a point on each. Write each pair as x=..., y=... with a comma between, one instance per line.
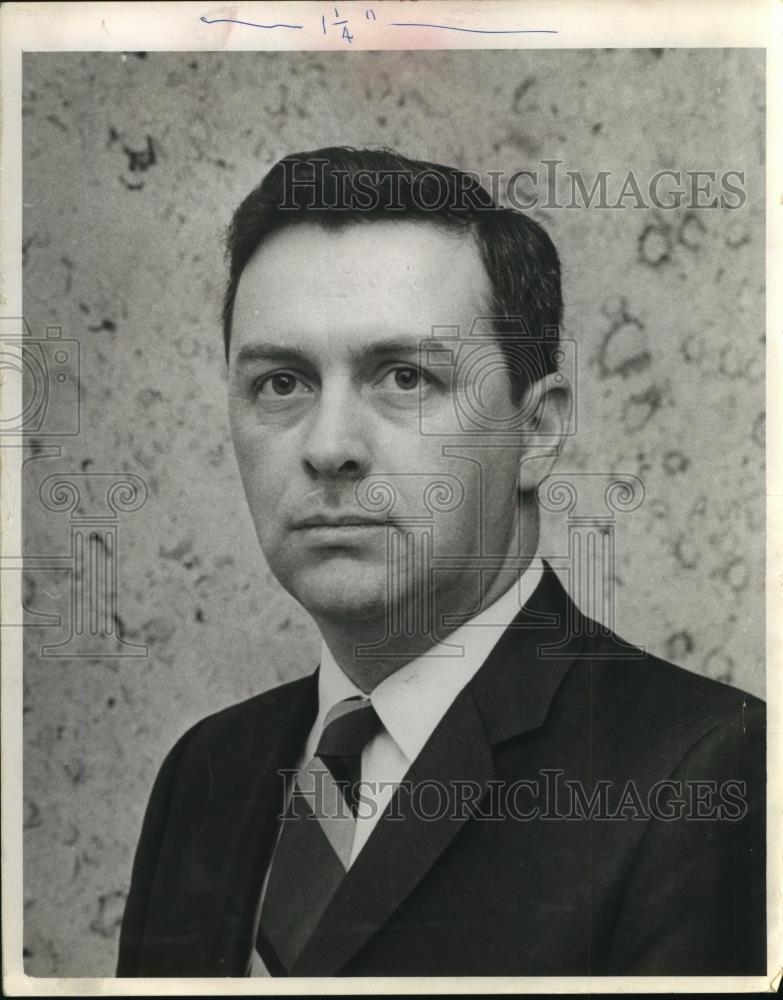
x=547, y=403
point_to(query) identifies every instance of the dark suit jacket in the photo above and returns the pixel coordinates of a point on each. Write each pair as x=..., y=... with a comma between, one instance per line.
x=463, y=894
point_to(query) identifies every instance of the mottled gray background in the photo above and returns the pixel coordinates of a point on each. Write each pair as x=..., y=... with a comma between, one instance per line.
x=132, y=166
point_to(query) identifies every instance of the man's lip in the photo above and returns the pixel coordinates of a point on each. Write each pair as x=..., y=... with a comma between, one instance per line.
x=338, y=521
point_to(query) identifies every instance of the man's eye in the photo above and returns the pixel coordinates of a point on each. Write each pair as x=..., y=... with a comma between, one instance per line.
x=403, y=377
x=281, y=384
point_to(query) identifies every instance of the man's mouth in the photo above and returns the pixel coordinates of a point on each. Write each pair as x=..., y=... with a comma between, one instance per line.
x=338, y=521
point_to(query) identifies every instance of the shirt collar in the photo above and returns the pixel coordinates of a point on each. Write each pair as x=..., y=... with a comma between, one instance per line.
x=411, y=702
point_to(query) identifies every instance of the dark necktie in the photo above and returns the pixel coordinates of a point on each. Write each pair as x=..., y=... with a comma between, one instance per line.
x=315, y=842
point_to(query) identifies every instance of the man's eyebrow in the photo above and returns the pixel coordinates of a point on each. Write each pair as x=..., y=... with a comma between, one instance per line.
x=249, y=353
x=278, y=353
x=401, y=345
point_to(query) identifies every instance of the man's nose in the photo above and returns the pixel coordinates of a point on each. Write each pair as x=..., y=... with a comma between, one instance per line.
x=336, y=443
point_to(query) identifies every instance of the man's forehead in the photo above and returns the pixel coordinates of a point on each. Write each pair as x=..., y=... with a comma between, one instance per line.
x=388, y=270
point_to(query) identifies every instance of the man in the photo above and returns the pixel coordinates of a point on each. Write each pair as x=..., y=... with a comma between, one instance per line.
x=477, y=780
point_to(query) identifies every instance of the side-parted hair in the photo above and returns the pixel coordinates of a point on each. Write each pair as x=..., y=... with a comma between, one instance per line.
x=339, y=186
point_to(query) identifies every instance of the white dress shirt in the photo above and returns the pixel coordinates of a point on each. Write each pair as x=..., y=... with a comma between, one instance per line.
x=410, y=703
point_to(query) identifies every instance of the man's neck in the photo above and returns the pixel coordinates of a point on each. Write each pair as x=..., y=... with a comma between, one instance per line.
x=368, y=651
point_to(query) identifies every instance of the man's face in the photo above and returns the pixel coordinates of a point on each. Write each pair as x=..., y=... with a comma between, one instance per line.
x=329, y=386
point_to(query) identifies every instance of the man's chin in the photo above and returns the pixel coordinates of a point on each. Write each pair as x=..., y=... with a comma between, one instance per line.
x=340, y=592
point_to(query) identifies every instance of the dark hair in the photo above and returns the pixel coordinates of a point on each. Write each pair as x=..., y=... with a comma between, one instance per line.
x=338, y=186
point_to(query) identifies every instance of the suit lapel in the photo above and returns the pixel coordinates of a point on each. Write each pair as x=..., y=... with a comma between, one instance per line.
x=511, y=694
x=515, y=688
x=402, y=850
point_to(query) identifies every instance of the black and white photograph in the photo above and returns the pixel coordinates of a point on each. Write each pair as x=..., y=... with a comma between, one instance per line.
x=385, y=545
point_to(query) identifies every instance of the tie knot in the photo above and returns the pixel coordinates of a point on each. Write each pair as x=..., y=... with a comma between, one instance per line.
x=349, y=726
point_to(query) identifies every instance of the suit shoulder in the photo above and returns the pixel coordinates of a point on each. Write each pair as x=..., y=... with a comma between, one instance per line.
x=241, y=727
x=623, y=665
x=649, y=698
x=641, y=717
x=254, y=709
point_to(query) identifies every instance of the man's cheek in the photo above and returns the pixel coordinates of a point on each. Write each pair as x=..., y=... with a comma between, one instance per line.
x=457, y=532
